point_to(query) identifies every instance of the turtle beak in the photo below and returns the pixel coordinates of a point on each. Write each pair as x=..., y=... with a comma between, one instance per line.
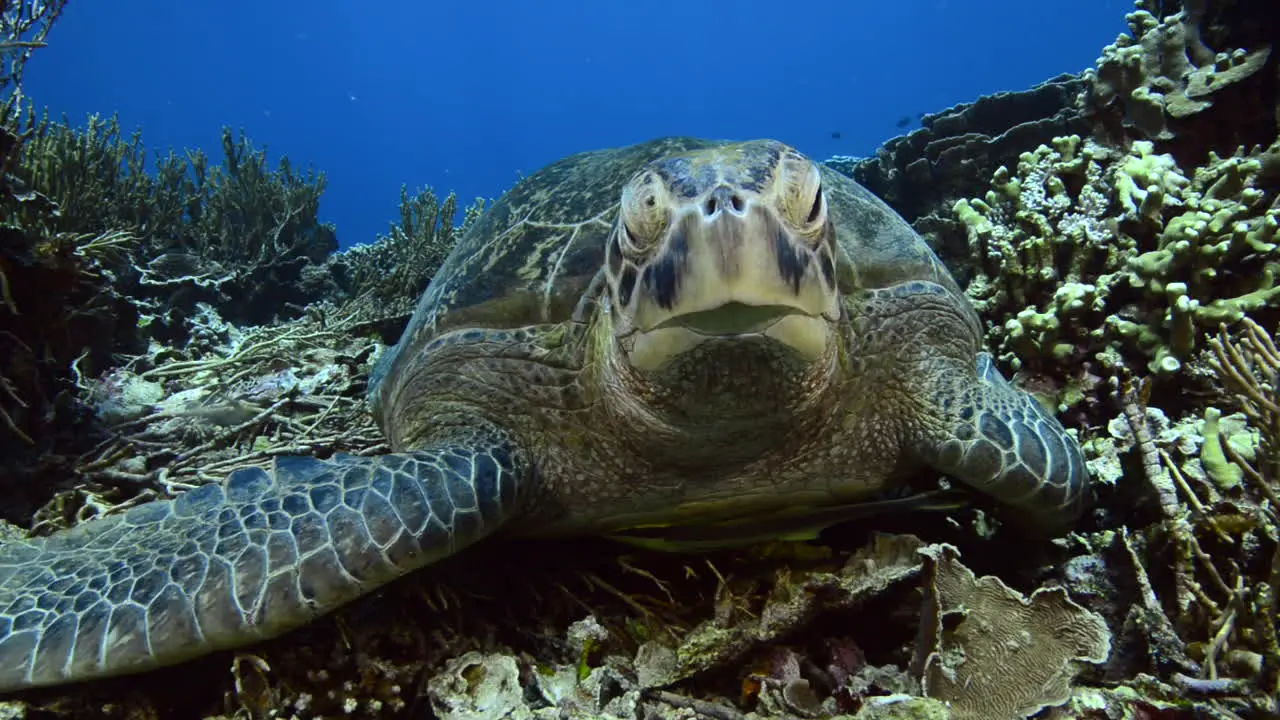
x=731, y=318
x=728, y=265
x=783, y=329
x=729, y=268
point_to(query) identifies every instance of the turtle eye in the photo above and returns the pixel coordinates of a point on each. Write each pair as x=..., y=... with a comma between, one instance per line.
x=815, y=210
x=641, y=220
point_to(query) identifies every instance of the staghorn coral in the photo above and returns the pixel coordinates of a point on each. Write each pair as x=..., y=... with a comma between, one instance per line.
x=76, y=303
x=1249, y=367
x=1121, y=258
x=1248, y=364
x=24, y=25
x=240, y=235
x=1201, y=621
x=81, y=222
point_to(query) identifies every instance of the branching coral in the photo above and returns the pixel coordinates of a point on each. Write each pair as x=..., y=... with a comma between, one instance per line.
x=24, y=25
x=1249, y=366
x=99, y=256
x=1121, y=257
x=1209, y=566
x=1165, y=73
x=142, y=257
x=245, y=234
x=386, y=277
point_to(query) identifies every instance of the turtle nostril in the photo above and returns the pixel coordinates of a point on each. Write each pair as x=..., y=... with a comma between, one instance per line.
x=722, y=198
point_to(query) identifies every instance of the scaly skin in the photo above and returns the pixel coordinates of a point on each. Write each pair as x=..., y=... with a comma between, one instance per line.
x=262, y=553
x=973, y=424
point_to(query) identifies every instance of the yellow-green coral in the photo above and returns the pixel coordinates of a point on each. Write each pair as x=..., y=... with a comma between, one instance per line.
x=1222, y=471
x=1163, y=72
x=1086, y=249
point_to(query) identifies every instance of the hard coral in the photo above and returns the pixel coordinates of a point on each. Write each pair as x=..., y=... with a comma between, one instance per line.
x=1123, y=258
x=924, y=172
x=1158, y=81
x=959, y=146
x=1163, y=72
x=995, y=654
x=237, y=234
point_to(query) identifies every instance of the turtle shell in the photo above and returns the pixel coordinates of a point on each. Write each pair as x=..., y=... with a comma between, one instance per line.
x=533, y=254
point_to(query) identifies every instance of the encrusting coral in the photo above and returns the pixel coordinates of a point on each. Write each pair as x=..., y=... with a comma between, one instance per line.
x=995, y=653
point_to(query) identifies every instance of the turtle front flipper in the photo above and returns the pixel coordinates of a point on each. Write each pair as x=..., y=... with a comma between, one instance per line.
x=1005, y=444
x=224, y=565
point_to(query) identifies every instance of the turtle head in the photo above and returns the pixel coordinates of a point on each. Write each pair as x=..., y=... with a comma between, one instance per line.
x=724, y=257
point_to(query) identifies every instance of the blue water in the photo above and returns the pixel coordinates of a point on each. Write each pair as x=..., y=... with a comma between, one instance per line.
x=467, y=96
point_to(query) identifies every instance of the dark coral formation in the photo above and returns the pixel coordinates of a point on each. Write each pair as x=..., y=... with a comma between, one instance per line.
x=957, y=149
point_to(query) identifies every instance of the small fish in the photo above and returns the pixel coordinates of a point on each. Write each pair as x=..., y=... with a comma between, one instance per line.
x=835, y=134
x=903, y=121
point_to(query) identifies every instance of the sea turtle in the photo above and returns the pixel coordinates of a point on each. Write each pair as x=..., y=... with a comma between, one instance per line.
x=685, y=341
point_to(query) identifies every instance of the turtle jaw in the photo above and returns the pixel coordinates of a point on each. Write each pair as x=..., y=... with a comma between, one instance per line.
x=779, y=329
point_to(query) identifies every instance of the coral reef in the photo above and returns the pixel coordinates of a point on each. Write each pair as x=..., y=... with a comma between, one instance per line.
x=238, y=235
x=1128, y=272
x=1116, y=231
x=958, y=148
x=101, y=261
